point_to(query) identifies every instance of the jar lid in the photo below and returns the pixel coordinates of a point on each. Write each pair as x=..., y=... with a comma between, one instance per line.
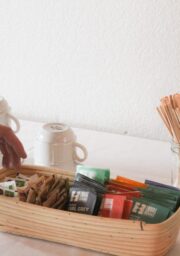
x=56, y=133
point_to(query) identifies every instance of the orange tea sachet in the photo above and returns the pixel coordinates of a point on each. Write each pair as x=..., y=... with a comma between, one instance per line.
x=132, y=183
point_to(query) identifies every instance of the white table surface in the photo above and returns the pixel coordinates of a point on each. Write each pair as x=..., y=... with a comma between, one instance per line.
x=132, y=157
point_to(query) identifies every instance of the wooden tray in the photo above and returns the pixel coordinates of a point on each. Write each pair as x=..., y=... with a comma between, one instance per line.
x=117, y=237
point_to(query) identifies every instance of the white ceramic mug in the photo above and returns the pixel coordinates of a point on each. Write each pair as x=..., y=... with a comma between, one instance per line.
x=56, y=146
x=6, y=117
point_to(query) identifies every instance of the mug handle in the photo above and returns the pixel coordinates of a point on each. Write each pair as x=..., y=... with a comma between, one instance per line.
x=16, y=121
x=84, y=150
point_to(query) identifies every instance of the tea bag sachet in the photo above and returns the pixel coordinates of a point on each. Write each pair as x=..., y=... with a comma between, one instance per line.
x=144, y=209
x=98, y=174
x=112, y=206
x=8, y=188
x=82, y=200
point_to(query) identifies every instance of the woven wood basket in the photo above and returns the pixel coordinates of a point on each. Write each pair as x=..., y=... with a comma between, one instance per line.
x=117, y=237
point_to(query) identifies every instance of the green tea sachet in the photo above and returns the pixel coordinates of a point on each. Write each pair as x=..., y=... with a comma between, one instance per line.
x=163, y=196
x=98, y=174
x=145, y=210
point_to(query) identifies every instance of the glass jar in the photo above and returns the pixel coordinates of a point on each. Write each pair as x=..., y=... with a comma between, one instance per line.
x=175, y=171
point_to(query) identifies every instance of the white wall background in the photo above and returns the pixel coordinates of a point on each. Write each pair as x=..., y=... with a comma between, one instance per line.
x=100, y=64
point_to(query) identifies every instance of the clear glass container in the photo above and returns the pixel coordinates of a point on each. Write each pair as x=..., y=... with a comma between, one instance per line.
x=175, y=171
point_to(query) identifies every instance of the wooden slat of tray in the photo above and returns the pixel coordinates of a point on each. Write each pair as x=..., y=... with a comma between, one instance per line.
x=125, y=226
x=125, y=237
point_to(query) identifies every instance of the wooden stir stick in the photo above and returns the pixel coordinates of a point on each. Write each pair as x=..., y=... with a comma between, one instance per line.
x=169, y=110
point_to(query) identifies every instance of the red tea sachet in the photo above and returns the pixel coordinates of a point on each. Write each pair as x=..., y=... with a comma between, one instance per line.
x=128, y=204
x=112, y=206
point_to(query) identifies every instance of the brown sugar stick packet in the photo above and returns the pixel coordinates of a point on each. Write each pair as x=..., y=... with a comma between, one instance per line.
x=66, y=184
x=42, y=194
x=51, y=200
x=61, y=191
x=49, y=181
x=58, y=187
x=61, y=194
x=37, y=182
x=54, y=196
x=34, y=185
x=23, y=193
x=62, y=206
x=60, y=203
x=42, y=180
x=44, y=189
x=57, y=181
x=38, y=185
x=31, y=198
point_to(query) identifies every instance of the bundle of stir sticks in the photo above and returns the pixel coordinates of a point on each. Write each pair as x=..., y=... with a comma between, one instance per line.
x=169, y=111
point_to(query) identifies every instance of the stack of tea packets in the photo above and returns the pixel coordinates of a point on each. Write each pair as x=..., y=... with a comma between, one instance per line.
x=85, y=195
x=9, y=186
x=93, y=192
